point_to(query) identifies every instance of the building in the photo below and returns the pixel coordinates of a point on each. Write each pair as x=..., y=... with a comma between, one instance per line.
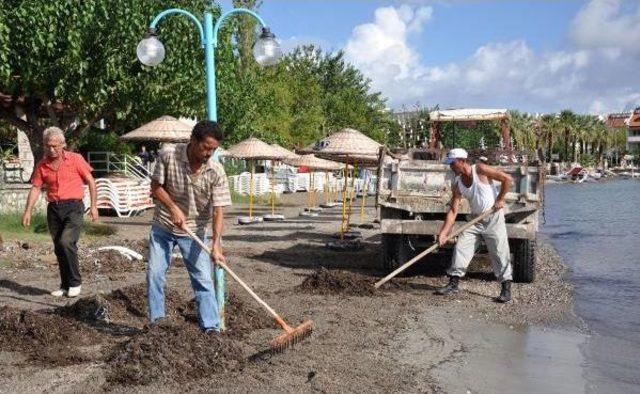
x=630, y=121
x=633, y=132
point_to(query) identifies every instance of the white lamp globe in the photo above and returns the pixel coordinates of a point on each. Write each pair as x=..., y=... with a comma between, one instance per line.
x=150, y=50
x=266, y=50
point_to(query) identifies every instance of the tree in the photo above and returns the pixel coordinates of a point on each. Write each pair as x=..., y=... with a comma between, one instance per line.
x=568, y=125
x=71, y=63
x=523, y=130
x=550, y=125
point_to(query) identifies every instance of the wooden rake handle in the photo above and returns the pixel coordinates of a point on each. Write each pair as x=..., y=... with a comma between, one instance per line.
x=433, y=247
x=224, y=266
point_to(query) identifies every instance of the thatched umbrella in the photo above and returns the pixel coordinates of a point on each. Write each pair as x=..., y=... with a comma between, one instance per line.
x=313, y=163
x=164, y=129
x=253, y=149
x=287, y=154
x=351, y=147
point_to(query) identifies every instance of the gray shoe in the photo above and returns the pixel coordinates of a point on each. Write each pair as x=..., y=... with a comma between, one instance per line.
x=451, y=287
x=505, y=292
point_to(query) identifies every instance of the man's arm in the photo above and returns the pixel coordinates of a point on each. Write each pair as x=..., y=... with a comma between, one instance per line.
x=160, y=194
x=34, y=193
x=216, y=245
x=450, y=218
x=93, y=194
x=505, y=182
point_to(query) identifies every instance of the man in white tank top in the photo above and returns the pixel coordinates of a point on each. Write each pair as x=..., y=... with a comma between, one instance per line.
x=475, y=183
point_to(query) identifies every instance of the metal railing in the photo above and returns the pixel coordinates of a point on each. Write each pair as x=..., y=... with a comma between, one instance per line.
x=106, y=163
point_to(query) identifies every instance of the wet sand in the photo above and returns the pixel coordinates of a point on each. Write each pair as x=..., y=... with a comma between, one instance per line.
x=404, y=339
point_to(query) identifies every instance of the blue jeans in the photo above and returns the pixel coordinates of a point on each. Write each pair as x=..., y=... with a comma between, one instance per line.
x=199, y=266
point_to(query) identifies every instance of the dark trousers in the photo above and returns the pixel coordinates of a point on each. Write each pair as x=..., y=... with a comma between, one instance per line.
x=65, y=223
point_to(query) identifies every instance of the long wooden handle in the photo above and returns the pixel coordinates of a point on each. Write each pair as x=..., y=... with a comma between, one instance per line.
x=222, y=264
x=432, y=248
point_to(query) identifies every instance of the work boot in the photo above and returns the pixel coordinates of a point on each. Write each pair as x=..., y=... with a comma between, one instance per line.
x=505, y=293
x=451, y=287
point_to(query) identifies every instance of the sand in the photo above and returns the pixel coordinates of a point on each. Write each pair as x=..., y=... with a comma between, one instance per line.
x=401, y=338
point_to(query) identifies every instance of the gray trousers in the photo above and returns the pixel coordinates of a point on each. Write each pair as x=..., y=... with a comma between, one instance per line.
x=494, y=232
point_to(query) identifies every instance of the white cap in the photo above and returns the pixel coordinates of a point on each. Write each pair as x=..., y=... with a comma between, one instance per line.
x=457, y=153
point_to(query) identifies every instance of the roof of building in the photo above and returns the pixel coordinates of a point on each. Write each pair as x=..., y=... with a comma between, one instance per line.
x=617, y=119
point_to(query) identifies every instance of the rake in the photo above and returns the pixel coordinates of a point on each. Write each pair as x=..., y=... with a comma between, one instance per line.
x=433, y=247
x=292, y=335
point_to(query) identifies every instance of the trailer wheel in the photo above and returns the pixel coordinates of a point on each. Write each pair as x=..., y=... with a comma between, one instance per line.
x=524, y=260
x=395, y=251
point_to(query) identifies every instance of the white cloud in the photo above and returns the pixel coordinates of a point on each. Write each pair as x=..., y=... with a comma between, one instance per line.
x=597, y=73
x=603, y=24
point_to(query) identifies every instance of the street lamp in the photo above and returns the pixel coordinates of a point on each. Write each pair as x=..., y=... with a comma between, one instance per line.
x=266, y=50
x=150, y=52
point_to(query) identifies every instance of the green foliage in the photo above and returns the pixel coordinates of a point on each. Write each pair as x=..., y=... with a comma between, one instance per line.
x=11, y=222
x=588, y=160
x=81, y=55
x=308, y=95
x=102, y=141
x=453, y=135
x=234, y=167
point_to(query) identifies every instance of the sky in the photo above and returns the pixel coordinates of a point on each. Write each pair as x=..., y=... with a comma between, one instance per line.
x=534, y=56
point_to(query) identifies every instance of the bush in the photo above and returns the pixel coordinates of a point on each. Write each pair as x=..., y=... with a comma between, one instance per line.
x=587, y=160
x=98, y=140
x=12, y=223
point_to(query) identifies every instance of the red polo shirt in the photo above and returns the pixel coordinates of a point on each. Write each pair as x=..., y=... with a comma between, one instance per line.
x=65, y=183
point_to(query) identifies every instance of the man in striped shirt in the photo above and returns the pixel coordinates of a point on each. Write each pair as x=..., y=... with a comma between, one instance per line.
x=192, y=191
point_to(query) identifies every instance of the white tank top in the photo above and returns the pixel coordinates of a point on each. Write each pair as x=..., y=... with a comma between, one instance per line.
x=481, y=195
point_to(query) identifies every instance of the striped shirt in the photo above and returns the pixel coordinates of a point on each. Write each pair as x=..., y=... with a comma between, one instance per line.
x=195, y=194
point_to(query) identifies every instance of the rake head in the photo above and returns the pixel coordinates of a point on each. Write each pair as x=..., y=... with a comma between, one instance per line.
x=288, y=339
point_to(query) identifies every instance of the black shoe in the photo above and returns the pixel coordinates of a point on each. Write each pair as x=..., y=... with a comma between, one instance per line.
x=505, y=293
x=451, y=287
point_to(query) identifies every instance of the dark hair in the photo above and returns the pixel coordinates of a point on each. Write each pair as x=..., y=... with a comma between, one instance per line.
x=207, y=128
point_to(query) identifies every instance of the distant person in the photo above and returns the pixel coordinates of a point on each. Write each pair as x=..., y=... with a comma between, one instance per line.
x=63, y=173
x=192, y=191
x=475, y=183
x=144, y=155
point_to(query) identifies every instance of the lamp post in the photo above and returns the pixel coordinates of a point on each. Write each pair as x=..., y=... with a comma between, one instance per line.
x=266, y=51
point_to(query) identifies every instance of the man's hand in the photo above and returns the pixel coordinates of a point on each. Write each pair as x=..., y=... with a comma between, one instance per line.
x=26, y=218
x=93, y=212
x=216, y=254
x=499, y=204
x=442, y=239
x=178, y=218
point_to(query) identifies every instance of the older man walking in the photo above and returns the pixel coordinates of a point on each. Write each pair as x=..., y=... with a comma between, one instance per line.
x=475, y=183
x=63, y=174
x=192, y=191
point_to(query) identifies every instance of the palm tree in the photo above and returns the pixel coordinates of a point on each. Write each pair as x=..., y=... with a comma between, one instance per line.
x=550, y=126
x=568, y=125
x=523, y=130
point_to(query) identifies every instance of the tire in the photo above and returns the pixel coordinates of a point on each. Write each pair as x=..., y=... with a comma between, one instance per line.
x=524, y=260
x=395, y=251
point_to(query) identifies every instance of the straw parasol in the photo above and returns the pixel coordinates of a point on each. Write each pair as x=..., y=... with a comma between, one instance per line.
x=350, y=146
x=253, y=149
x=315, y=163
x=164, y=129
x=287, y=154
x=348, y=143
